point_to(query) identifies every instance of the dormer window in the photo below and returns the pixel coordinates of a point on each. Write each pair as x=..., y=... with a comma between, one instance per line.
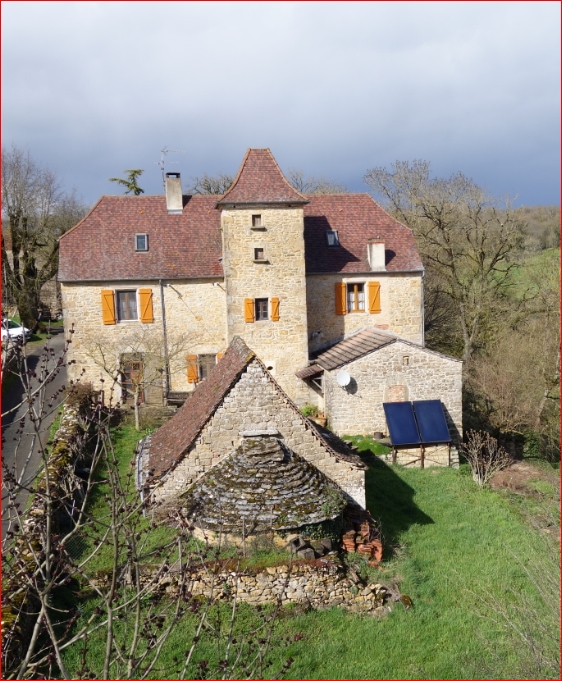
x=332, y=237
x=141, y=242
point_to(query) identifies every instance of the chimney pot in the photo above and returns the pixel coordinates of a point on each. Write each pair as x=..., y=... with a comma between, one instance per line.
x=376, y=255
x=174, y=200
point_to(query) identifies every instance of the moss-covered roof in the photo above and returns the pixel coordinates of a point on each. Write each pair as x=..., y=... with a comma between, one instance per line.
x=262, y=485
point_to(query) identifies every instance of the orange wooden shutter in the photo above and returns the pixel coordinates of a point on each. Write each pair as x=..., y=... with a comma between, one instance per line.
x=145, y=301
x=275, y=309
x=108, y=307
x=374, y=297
x=341, y=307
x=192, y=375
x=249, y=310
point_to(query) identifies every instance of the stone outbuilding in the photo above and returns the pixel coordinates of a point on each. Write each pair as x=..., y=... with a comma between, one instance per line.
x=371, y=367
x=239, y=423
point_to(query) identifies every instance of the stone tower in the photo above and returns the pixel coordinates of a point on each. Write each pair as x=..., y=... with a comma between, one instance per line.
x=262, y=225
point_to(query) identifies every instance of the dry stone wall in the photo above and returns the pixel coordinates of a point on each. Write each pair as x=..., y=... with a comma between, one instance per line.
x=255, y=404
x=317, y=584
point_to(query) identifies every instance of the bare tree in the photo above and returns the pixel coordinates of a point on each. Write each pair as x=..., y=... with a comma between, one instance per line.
x=219, y=184
x=93, y=587
x=467, y=242
x=135, y=360
x=211, y=184
x=485, y=456
x=314, y=185
x=36, y=212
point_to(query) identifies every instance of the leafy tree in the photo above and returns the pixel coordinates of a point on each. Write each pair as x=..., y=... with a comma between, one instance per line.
x=130, y=182
x=467, y=242
x=35, y=213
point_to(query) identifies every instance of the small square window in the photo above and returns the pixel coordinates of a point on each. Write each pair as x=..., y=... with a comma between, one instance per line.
x=141, y=242
x=256, y=221
x=259, y=253
x=332, y=238
x=261, y=309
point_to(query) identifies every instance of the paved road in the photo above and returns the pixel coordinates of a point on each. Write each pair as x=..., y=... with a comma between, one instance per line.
x=20, y=449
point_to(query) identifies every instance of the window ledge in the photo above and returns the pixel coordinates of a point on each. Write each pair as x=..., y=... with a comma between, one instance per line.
x=258, y=228
x=263, y=261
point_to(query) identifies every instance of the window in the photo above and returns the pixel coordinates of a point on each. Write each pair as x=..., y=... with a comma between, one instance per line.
x=126, y=305
x=259, y=253
x=256, y=221
x=200, y=366
x=131, y=379
x=332, y=238
x=355, y=298
x=261, y=309
x=141, y=242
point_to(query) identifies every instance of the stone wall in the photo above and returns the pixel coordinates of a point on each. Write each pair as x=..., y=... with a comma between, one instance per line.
x=195, y=324
x=432, y=455
x=281, y=345
x=401, y=307
x=255, y=403
x=317, y=584
x=397, y=372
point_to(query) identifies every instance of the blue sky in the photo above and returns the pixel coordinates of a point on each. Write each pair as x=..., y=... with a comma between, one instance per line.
x=332, y=88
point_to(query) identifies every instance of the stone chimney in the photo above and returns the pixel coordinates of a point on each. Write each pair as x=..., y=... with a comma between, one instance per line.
x=174, y=201
x=376, y=255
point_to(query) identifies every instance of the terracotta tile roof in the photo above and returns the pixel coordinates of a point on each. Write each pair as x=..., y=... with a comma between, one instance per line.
x=356, y=218
x=350, y=349
x=260, y=180
x=102, y=246
x=170, y=443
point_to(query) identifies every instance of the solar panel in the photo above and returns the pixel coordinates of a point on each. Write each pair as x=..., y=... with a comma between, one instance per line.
x=401, y=423
x=431, y=421
x=414, y=423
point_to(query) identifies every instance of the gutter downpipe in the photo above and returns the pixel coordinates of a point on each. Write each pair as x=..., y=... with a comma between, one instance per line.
x=165, y=338
x=423, y=308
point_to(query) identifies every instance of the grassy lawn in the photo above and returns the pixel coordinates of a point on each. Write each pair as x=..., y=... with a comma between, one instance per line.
x=474, y=567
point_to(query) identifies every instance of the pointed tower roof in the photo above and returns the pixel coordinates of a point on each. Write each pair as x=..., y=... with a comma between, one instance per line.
x=260, y=180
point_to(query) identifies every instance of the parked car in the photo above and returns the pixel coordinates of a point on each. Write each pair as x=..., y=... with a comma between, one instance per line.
x=14, y=331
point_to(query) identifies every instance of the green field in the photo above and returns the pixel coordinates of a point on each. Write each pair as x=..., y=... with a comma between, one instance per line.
x=483, y=580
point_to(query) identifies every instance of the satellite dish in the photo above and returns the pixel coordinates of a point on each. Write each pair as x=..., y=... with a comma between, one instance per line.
x=343, y=378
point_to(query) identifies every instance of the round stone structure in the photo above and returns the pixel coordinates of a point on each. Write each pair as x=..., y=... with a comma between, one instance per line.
x=263, y=486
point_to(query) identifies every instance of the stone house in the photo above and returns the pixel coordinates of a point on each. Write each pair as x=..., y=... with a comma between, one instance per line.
x=157, y=287
x=240, y=414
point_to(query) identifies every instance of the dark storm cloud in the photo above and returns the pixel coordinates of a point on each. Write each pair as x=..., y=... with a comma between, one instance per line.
x=94, y=88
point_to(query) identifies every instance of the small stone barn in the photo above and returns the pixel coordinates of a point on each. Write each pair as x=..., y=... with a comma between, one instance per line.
x=381, y=367
x=240, y=431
